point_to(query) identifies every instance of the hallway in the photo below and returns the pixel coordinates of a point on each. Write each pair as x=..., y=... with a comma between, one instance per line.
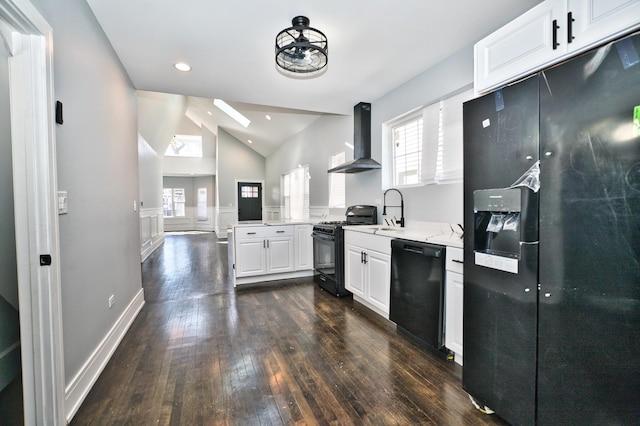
x=202, y=353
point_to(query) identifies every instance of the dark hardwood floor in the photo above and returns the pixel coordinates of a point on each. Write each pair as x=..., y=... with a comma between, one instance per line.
x=204, y=353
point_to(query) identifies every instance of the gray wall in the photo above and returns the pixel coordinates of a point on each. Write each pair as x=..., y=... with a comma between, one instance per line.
x=97, y=156
x=235, y=160
x=313, y=146
x=432, y=203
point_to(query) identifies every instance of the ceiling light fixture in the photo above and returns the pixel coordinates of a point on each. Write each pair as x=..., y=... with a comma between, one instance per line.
x=249, y=140
x=268, y=117
x=231, y=112
x=301, y=49
x=181, y=66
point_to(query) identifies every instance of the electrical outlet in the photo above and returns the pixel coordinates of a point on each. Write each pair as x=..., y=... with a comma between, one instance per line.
x=112, y=300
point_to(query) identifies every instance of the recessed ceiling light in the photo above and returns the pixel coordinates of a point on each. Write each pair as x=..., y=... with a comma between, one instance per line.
x=209, y=112
x=268, y=117
x=181, y=66
x=231, y=112
x=350, y=145
x=250, y=141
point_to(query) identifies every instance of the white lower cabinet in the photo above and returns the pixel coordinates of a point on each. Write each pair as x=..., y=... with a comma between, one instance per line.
x=303, y=247
x=368, y=269
x=454, y=294
x=263, y=250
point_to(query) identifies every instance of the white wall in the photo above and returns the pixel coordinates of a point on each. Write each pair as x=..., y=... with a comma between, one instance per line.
x=159, y=116
x=97, y=163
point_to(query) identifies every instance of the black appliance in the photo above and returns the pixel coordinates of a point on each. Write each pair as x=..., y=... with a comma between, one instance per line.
x=417, y=291
x=552, y=243
x=361, y=143
x=328, y=247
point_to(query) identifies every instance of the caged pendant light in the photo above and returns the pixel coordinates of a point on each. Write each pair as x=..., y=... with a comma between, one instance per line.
x=301, y=49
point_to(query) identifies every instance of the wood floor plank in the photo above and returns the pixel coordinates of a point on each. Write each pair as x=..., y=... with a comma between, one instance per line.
x=202, y=352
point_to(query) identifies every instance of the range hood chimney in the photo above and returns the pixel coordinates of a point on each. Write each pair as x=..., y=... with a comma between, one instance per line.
x=361, y=143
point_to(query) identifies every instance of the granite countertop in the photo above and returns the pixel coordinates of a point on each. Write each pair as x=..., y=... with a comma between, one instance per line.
x=434, y=233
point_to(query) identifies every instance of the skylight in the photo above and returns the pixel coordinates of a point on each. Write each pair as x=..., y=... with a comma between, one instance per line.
x=231, y=112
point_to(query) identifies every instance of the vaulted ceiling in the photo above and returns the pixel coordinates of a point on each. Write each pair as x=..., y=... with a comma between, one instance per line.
x=374, y=46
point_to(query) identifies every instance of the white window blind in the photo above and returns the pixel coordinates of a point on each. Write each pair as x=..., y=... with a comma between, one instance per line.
x=295, y=191
x=202, y=204
x=407, y=151
x=337, y=182
x=442, y=155
x=173, y=202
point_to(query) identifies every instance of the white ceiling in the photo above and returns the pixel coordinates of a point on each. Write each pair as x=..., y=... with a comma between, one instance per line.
x=374, y=46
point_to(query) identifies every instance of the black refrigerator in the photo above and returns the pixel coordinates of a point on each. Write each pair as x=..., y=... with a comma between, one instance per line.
x=552, y=243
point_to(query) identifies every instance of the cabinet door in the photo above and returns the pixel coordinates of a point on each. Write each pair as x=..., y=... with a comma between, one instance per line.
x=520, y=47
x=379, y=274
x=304, y=247
x=280, y=252
x=353, y=270
x=453, y=313
x=250, y=257
x=598, y=20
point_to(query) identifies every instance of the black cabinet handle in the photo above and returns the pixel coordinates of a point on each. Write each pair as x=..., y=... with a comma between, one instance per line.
x=570, y=22
x=457, y=261
x=365, y=258
x=555, y=34
x=280, y=232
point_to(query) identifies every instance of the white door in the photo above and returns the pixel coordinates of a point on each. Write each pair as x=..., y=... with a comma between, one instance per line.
x=36, y=227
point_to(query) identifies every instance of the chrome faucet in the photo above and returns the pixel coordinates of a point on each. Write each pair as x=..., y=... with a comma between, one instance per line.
x=384, y=207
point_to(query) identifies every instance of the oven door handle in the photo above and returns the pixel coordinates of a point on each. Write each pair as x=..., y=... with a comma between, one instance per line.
x=322, y=237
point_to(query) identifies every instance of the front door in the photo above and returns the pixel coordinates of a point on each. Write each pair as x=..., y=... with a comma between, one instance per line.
x=249, y=201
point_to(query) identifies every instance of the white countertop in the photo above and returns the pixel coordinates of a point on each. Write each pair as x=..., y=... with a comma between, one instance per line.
x=273, y=223
x=430, y=232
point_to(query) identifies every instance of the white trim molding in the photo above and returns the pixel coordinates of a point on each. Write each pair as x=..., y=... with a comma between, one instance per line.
x=151, y=231
x=79, y=387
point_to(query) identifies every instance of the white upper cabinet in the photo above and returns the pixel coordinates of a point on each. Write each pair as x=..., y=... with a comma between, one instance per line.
x=599, y=20
x=548, y=33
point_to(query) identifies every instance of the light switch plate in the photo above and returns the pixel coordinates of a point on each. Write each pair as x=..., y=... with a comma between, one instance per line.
x=63, y=204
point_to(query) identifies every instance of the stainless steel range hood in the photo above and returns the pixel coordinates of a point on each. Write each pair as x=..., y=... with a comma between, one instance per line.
x=361, y=143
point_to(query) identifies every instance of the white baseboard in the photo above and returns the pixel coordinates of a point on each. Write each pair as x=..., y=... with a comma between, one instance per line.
x=79, y=387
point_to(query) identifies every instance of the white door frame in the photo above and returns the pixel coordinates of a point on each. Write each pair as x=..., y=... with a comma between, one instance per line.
x=28, y=40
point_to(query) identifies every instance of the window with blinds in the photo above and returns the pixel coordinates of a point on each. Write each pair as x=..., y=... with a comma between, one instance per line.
x=336, y=182
x=407, y=151
x=202, y=204
x=295, y=193
x=427, y=146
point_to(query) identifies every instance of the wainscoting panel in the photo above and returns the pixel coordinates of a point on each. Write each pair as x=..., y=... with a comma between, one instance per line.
x=151, y=231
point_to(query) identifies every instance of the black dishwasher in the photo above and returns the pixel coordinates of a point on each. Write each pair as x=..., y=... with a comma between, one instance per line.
x=417, y=291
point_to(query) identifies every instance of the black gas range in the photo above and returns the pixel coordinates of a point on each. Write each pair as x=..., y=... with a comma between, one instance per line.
x=328, y=247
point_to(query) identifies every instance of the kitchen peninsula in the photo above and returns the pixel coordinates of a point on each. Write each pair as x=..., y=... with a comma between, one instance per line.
x=270, y=250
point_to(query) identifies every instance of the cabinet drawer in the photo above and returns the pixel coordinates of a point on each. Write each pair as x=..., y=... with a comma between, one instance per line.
x=377, y=243
x=455, y=257
x=250, y=232
x=263, y=231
